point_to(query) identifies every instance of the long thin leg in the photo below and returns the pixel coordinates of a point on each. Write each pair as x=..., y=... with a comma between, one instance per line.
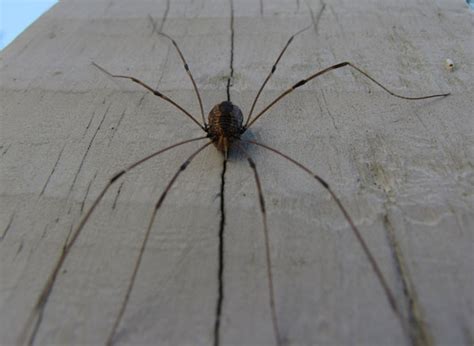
x=110, y=338
x=186, y=67
x=34, y=319
x=272, y=71
x=388, y=292
x=268, y=258
x=154, y=91
x=330, y=68
x=315, y=26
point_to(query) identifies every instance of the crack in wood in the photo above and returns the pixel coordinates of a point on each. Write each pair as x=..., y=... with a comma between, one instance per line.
x=231, y=76
x=20, y=248
x=417, y=328
x=413, y=322
x=52, y=171
x=333, y=120
x=220, y=271
x=114, y=204
x=5, y=231
x=115, y=129
x=88, y=125
x=87, y=192
x=31, y=341
x=6, y=149
x=87, y=150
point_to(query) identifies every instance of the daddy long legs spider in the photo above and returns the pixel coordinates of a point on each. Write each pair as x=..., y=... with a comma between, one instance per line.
x=223, y=128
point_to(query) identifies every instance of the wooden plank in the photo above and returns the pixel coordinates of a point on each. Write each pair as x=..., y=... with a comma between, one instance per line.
x=403, y=169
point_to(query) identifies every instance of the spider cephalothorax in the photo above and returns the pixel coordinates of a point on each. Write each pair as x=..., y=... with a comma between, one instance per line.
x=225, y=125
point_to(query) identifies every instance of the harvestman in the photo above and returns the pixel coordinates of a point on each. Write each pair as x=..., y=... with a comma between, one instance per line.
x=224, y=129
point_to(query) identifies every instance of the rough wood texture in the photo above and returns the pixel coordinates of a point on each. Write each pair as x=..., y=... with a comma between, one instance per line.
x=404, y=169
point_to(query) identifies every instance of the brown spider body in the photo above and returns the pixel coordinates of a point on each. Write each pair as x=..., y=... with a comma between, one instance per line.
x=225, y=125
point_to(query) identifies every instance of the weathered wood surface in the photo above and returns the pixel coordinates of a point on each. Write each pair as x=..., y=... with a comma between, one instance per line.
x=404, y=169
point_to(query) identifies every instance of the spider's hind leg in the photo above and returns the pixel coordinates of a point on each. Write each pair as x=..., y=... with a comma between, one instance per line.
x=34, y=320
x=271, y=290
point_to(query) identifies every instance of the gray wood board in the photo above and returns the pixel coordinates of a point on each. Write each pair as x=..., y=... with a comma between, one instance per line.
x=403, y=169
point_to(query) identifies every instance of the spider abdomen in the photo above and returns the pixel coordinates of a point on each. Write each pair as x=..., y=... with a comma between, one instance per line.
x=225, y=125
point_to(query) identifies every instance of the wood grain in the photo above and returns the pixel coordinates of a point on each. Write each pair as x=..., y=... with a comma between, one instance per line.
x=403, y=169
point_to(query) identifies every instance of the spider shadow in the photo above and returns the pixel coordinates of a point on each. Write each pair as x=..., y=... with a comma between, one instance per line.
x=236, y=153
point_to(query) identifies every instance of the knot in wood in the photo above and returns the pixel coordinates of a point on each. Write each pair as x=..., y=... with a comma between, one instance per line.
x=225, y=125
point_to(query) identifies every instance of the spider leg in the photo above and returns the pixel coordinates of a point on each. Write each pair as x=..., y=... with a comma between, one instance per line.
x=273, y=70
x=153, y=91
x=144, y=242
x=271, y=290
x=334, y=67
x=34, y=320
x=186, y=67
x=378, y=273
x=315, y=26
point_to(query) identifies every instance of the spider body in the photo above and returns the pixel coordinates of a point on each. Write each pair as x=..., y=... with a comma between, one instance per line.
x=225, y=125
